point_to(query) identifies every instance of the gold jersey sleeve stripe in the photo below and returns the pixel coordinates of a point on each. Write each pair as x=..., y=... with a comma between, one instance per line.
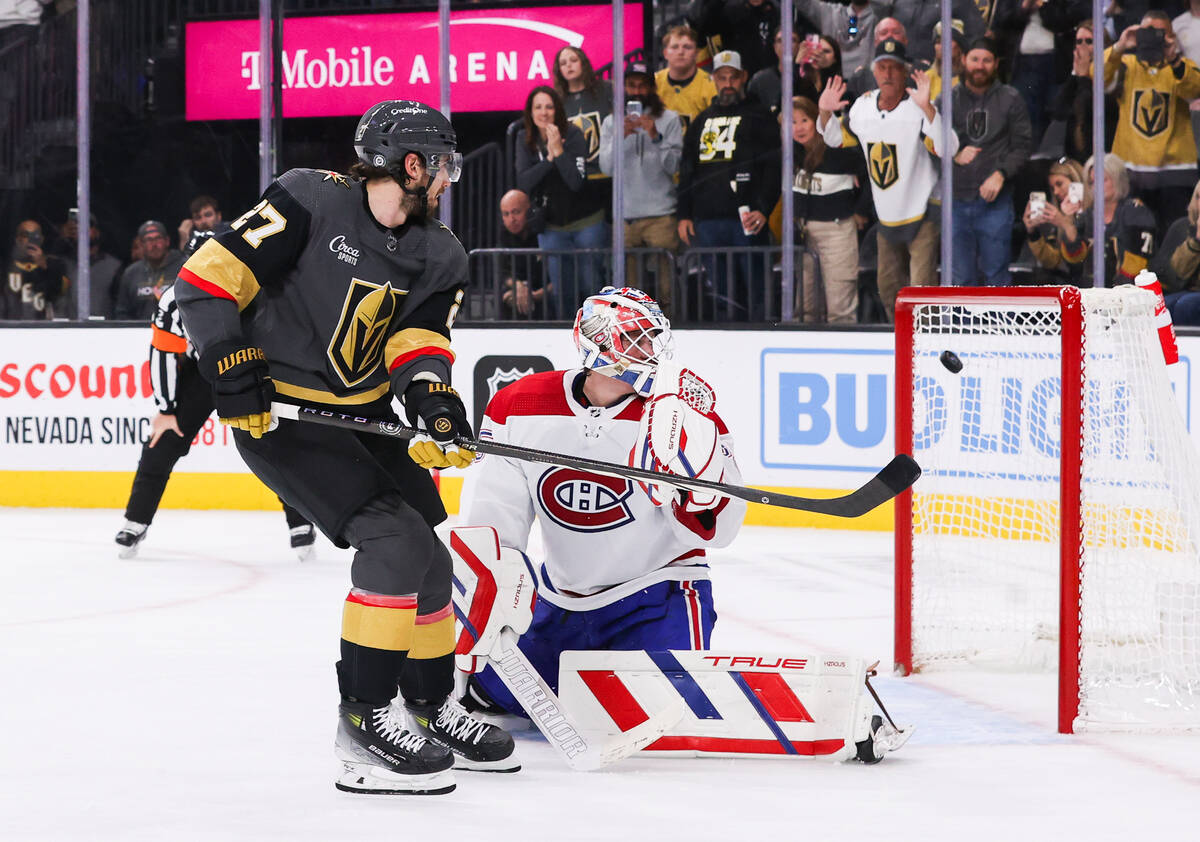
x=410, y=340
x=320, y=396
x=221, y=268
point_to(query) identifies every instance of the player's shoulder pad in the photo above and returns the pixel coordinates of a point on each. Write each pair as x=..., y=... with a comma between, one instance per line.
x=311, y=187
x=447, y=259
x=541, y=393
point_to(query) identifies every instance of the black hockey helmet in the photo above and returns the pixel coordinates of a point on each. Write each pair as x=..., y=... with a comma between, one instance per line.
x=392, y=129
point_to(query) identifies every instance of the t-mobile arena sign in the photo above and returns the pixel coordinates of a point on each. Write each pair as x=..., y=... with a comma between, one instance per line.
x=342, y=65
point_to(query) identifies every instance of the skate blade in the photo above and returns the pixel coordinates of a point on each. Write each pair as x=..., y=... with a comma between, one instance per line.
x=306, y=552
x=504, y=764
x=371, y=780
x=127, y=552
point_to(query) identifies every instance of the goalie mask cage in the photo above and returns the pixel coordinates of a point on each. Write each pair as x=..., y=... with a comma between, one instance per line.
x=1057, y=519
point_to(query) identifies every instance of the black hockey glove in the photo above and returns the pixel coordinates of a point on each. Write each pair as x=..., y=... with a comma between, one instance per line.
x=438, y=411
x=242, y=387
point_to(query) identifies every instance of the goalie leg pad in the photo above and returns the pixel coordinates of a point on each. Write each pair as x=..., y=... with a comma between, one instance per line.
x=494, y=588
x=738, y=703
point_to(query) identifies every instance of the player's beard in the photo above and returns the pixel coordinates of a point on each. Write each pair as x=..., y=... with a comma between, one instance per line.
x=728, y=96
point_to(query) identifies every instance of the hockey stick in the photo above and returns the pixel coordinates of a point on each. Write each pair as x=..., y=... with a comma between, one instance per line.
x=895, y=477
x=580, y=750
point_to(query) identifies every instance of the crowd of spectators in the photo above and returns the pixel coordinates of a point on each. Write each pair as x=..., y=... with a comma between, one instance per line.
x=701, y=150
x=700, y=139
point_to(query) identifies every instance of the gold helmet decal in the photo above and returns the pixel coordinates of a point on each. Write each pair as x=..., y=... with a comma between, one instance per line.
x=1151, y=112
x=883, y=164
x=356, y=348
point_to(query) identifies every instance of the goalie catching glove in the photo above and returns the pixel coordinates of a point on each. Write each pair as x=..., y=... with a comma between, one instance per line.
x=676, y=439
x=494, y=588
x=242, y=386
x=438, y=413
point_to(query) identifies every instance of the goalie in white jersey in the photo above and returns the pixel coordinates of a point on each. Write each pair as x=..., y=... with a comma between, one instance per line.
x=624, y=564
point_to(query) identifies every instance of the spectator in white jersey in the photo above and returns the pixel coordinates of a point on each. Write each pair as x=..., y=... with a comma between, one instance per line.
x=900, y=133
x=649, y=587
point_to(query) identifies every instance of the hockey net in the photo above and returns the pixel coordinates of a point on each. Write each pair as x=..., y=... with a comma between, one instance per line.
x=1057, y=520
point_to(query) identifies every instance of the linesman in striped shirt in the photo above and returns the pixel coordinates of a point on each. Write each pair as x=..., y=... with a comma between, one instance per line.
x=184, y=401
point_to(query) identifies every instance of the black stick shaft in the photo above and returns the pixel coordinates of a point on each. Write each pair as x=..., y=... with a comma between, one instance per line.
x=895, y=477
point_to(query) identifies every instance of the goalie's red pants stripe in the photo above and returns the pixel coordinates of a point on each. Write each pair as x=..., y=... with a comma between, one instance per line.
x=692, y=600
x=614, y=697
x=731, y=745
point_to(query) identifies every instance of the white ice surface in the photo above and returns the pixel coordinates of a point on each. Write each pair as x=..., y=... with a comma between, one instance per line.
x=189, y=693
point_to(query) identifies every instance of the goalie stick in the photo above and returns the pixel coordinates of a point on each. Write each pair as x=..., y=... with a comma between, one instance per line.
x=583, y=751
x=895, y=477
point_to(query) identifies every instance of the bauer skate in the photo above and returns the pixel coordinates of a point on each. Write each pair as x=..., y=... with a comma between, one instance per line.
x=380, y=756
x=129, y=537
x=477, y=745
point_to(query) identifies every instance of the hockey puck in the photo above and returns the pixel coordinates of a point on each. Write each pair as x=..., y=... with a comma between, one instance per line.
x=951, y=361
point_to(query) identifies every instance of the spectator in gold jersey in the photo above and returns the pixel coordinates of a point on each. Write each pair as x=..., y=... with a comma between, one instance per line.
x=682, y=85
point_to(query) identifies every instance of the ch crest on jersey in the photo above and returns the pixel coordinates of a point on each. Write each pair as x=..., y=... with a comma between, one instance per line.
x=883, y=164
x=356, y=348
x=589, y=124
x=1151, y=112
x=584, y=502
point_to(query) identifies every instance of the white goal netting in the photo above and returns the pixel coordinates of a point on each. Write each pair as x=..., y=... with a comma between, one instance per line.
x=985, y=537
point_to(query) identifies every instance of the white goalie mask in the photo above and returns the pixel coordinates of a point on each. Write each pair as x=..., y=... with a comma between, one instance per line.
x=622, y=333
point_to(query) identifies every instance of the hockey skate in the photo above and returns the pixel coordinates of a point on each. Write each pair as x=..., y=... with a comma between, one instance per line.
x=303, y=540
x=884, y=737
x=477, y=746
x=380, y=756
x=478, y=702
x=129, y=537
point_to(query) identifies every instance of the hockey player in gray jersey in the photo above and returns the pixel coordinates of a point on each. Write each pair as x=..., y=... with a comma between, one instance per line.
x=340, y=292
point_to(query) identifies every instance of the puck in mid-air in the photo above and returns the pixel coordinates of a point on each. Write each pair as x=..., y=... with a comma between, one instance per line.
x=951, y=361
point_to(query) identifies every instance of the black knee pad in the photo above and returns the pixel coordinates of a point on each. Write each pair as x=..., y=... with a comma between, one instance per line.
x=395, y=547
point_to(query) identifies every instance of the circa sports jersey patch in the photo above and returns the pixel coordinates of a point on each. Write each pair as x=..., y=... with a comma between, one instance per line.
x=584, y=502
x=344, y=251
x=1151, y=112
x=356, y=349
x=883, y=164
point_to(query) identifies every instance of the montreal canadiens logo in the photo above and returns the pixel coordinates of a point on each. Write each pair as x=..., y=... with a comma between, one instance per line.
x=584, y=502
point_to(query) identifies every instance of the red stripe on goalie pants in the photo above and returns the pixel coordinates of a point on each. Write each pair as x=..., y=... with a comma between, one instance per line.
x=778, y=699
x=421, y=352
x=730, y=745
x=209, y=287
x=379, y=600
x=614, y=697
x=692, y=599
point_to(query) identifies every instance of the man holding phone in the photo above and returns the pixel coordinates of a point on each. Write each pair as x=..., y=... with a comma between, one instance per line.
x=1154, y=131
x=653, y=140
x=35, y=282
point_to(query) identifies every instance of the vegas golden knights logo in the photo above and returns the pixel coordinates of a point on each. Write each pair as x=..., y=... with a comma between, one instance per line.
x=883, y=164
x=357, y=345
x=1151, y=112
x=589, y=124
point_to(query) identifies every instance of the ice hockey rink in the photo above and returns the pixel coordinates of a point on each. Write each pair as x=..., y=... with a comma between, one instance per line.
x=189, y=693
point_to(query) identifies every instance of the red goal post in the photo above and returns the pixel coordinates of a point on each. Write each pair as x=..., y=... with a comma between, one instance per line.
x=1057, y=519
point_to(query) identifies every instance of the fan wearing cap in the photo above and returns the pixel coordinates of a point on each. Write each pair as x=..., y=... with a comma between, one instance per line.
x=145, y=281
x=992, y=123
x=958, y=48
x=900, y=133
x=652, y=140
x=339, y=292
x=728, y=183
